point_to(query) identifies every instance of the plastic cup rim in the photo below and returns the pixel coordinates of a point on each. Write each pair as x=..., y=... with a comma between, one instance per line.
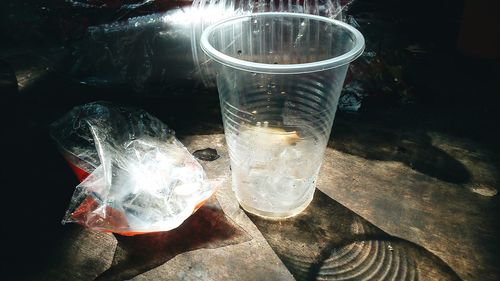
x=334, y=62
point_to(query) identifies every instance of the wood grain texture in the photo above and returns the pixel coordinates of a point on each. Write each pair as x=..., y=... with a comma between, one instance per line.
x=414, y=196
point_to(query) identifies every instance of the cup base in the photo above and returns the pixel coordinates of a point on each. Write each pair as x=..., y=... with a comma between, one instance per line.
x=277, y=215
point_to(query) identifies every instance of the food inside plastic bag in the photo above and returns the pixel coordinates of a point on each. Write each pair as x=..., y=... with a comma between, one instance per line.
x=136, y=177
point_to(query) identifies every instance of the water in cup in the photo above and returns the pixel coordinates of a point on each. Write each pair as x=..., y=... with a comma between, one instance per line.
x=276, y=171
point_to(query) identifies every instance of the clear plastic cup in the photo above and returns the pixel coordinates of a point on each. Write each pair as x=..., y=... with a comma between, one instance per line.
x=207, y=12
x=279, y=77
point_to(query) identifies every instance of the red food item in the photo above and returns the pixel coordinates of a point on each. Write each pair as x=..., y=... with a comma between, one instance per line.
x=80, y=173
x=85, y=213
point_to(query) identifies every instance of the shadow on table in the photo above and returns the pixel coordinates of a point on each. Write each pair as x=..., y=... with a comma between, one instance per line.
x=329, y=242
x=207, y=228
x=412, y=148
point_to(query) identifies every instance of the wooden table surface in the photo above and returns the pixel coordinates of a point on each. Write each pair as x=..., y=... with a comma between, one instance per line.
x=390, y=205
x=395, y=200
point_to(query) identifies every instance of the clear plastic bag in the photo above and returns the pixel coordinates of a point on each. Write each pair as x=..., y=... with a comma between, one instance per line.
x=136, y=176
x=138, y=53
x=145, y=44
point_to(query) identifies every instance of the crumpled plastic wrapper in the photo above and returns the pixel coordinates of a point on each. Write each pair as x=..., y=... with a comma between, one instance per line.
x=136, y=177
x=147, y=54
x=152, y=46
